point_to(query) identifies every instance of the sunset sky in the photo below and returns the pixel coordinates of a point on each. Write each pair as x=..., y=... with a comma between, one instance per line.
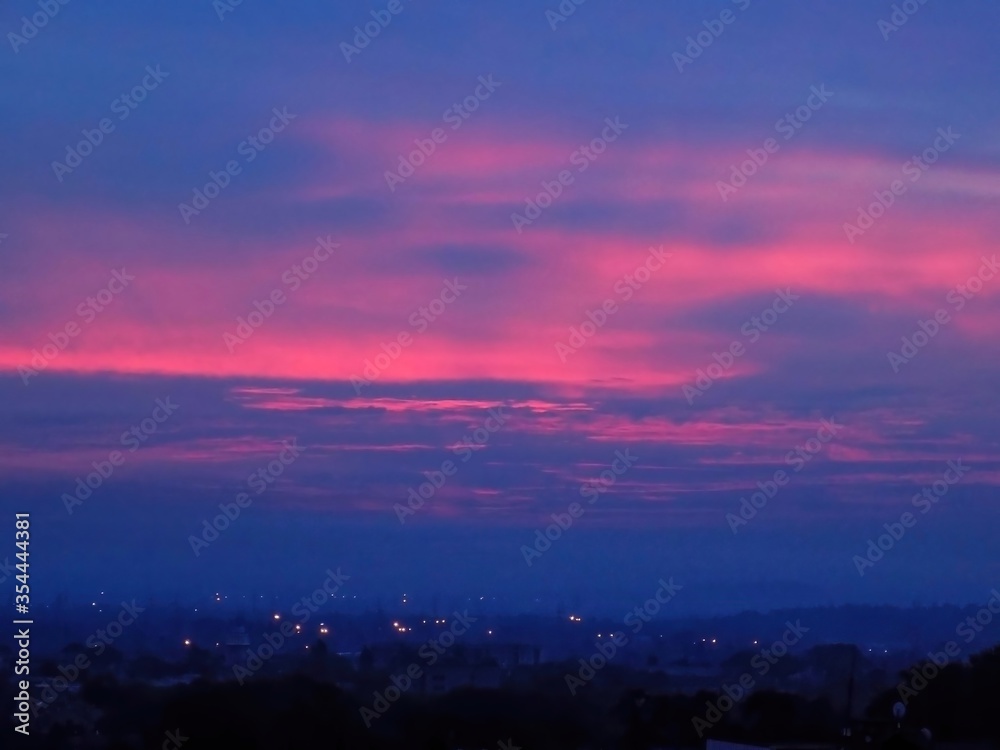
x=662, y=302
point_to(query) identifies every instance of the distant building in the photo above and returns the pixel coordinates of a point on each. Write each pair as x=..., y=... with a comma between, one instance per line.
x=443, y=679
x=508, y=656
x=237, y=643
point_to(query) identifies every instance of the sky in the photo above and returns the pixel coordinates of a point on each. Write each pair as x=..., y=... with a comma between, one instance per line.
x=601, y=273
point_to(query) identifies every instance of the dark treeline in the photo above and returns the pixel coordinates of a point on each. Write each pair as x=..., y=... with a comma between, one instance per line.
x=311, y=708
